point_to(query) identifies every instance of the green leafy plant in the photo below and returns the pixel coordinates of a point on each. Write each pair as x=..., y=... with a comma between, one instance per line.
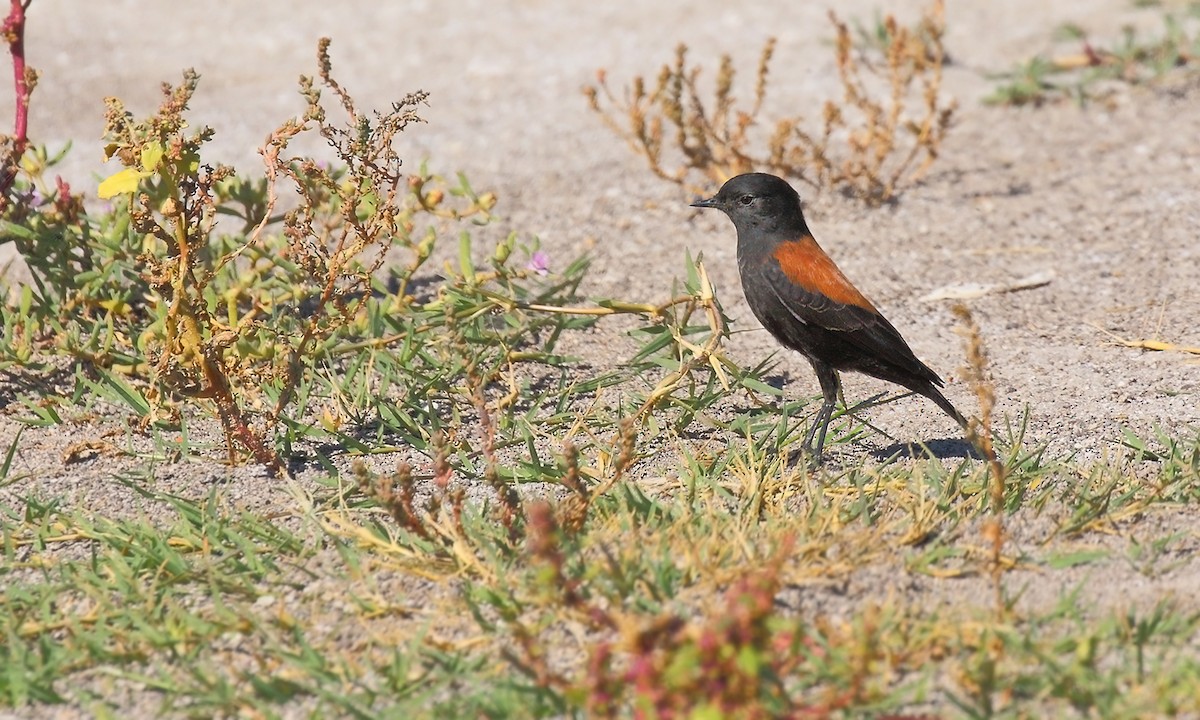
x=214, y=318
x=1088, y=73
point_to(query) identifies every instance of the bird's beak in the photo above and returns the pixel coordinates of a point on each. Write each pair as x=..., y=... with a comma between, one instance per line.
x=709, y=203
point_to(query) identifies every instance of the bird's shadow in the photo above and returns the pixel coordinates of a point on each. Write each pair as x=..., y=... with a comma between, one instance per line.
x=941, y=448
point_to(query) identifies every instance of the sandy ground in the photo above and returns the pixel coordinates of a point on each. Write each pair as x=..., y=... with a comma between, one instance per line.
x=1102, y=197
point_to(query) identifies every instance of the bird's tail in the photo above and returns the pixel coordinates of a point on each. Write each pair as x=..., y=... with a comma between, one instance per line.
x=930, y=391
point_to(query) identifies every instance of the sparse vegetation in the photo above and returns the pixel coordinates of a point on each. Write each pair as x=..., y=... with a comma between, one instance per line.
x=541, y=537
x=884, y=132
x=1089, y=72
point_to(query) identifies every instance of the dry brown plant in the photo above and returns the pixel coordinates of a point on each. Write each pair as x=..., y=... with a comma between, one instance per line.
x=980, y=435
x=882, y=134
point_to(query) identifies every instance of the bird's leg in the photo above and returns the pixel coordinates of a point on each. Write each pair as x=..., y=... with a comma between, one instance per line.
x=830, y=388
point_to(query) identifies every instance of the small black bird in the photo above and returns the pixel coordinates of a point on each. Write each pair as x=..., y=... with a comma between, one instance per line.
x=800, y=296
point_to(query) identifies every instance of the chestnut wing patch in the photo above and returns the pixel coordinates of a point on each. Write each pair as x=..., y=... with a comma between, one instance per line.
x=807, y=266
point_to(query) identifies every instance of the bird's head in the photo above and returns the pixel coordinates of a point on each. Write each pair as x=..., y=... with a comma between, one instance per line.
x=758, y=201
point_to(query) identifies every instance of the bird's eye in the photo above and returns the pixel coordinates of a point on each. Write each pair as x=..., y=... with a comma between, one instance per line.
x=746, y=199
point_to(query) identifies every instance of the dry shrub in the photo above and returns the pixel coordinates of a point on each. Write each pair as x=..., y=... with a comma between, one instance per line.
x=884, y=132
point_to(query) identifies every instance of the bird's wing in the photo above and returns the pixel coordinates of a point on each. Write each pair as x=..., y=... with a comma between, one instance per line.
x=811, y=288
x=815, y=306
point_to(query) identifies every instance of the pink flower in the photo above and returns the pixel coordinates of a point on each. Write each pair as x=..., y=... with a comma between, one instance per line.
x=539, y=262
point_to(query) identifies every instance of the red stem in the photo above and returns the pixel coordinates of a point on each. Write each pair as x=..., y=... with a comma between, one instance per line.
x=14, y=33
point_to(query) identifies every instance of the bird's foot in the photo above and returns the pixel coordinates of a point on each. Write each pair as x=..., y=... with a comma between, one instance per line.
x=809, y=455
